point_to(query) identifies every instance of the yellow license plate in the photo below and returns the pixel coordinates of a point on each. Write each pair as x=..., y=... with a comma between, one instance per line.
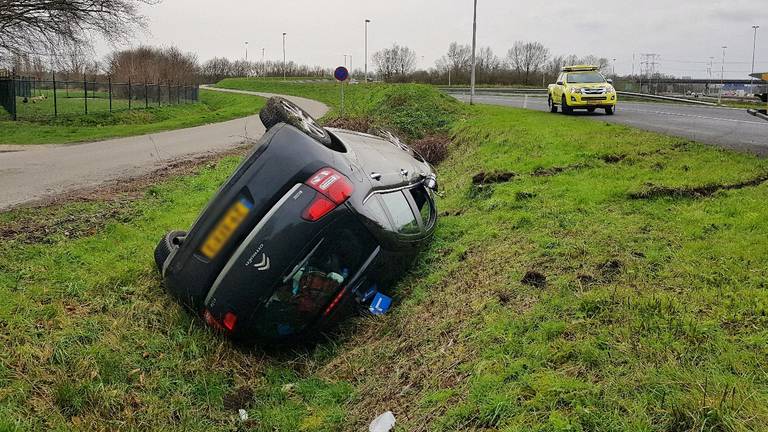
x=225, y=228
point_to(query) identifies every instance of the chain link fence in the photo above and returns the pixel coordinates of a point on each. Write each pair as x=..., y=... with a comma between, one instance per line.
x=26, y=98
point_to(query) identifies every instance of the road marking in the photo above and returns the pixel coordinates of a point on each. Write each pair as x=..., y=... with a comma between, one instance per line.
x=695, y=116
x=624, y=108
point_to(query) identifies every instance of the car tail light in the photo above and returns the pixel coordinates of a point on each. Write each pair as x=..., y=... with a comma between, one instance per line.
x=230, y=319
x=334, y=189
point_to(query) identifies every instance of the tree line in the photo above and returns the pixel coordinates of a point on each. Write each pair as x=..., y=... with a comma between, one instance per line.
x=526, y=63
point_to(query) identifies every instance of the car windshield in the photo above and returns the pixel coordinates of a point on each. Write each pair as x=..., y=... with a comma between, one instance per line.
x=585, y=78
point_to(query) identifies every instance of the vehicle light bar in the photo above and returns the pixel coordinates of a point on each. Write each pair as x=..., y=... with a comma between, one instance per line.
x=334, y=189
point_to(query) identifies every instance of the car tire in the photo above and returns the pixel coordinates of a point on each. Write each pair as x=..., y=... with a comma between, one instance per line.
x=566, y=109
x=552, y=106
x=167, y=245
x=609, y=110
x=280, y=110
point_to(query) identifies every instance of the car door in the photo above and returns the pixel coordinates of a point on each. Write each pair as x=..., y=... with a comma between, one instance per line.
x=559, y=88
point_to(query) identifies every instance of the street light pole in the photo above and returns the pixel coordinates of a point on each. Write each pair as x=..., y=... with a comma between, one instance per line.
x=284, y=55
x=754, y=48
x=722, y=77
x=366, y=49
x=246, y=50
x=614, y=68
x=474, y=46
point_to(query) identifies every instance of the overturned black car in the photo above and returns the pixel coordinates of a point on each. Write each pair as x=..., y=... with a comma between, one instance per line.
x=313, y=225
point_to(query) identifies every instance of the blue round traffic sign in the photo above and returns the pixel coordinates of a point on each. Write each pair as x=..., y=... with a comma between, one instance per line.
x=341, y=73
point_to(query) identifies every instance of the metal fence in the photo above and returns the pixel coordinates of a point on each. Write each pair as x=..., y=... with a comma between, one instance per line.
x=26, y=98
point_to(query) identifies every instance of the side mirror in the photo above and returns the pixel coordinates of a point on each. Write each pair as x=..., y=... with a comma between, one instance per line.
x=431, y=182
x=610, y=81
x=559, y=83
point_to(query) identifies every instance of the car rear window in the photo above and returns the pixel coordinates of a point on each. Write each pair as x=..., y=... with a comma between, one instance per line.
x=423, y=202
x=316, y=280
x=403, y=219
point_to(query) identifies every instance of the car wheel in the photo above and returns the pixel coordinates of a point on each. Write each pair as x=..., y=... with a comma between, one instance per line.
x=552, y=106
x=591, y=110
x=566, y=109
x=280, y=110
x=609, y=110
x=167, y=245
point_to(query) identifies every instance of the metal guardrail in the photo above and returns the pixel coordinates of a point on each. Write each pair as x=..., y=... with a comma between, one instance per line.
x=758, y=114
x=542, y=92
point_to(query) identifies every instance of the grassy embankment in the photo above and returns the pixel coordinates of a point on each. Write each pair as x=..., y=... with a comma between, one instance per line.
x=68, y=128
x=617, y=282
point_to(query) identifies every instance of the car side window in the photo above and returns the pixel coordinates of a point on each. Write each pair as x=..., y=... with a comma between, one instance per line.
x=403, y=219
x=425, y=205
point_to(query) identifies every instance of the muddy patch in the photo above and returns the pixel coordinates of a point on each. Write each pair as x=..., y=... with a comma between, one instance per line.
x=239, y=398
x=484, y=178
x=652, y=191
x=613, y=158
x=555, y=170
x=448, y=213
x=535, y=279
x=611, y=268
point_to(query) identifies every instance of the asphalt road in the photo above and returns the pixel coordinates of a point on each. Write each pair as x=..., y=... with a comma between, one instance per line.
x=724, y=127
x=32, y=173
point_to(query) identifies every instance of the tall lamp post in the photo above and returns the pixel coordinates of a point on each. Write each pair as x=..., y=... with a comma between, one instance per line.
x=614, y=68
x=722, y=77
x=246, y=50
x=754, y=48
x=366, y=49
x=474, y=46
x=284, y=55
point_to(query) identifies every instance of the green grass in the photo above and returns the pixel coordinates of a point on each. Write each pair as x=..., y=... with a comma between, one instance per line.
x=653, y=317
x=42, y=111
x=213, y=107
x=413, y=110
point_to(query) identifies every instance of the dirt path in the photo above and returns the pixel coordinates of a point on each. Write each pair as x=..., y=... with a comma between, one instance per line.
x=30, y=174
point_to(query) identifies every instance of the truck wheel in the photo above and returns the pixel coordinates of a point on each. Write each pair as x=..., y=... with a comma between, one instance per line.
x=609, y=110
x=170, y=241
x=280, y=110
x=590, y=110
x=552, y=106
x=566, y=109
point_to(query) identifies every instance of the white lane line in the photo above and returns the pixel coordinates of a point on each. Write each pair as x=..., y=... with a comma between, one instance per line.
x=623, y=108
x=694, y=116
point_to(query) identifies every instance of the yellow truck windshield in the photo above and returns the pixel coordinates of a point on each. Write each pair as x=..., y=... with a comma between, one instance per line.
x=585, y=78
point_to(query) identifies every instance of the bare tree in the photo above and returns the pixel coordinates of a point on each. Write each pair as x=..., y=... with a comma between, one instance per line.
x=527, y=58
x=456, y=61
x=395, y=63
x=38, y=26
x=602, y=63
x=146, y=64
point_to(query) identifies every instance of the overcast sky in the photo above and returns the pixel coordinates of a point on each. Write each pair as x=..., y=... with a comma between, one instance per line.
x=686, y=33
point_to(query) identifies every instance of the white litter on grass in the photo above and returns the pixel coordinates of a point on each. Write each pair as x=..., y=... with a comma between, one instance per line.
x=243, y=414
x=382, y=423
